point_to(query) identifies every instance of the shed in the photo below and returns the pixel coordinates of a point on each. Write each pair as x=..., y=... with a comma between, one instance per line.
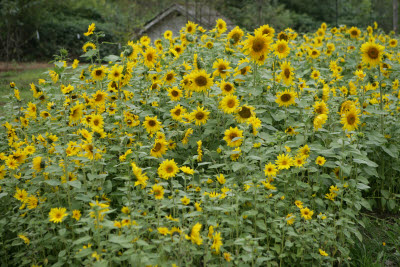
x=176, y=16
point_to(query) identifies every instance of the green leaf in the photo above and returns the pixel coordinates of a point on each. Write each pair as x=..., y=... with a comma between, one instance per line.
x=76, y=183
x=366, y=161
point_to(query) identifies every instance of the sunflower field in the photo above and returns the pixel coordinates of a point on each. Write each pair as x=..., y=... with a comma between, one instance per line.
x=203, y=148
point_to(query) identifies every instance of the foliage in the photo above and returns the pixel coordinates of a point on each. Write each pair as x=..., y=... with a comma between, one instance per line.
x=203, y=148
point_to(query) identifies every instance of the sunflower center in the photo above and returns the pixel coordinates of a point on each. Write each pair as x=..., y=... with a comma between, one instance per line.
x=284, y=162
x=174, y=93
x=222, y=68
x=228, y=87
x=116, y=74
x=286, y=97
x=201, y=81
x=170, y=76
x=232, y=136
x=96, y=122
x=178, y=49
x=314, y=53
x=220, y=26
x=177, y=112
x=58, y=215
x=169, y=169
x=266, y=32
x=231, y=103
x=283, y=36
x=373, y=53
x=99, y=98
x=236, y=37
x=129, y=122
x=351, y=119
x=243, y=71
x=281, y=48
x=99, y=72
x=149, y=57
x=354, y=33
x=258, y=45
x=200, y=115
x=245, y=113
x=287, y=73
x=157, y=147
x=189, y=29
x=152, y=123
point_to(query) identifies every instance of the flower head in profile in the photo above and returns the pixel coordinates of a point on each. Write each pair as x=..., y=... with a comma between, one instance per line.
x=90, y=29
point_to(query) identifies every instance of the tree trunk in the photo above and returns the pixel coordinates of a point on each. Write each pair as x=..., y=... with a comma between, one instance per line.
x=395, y=15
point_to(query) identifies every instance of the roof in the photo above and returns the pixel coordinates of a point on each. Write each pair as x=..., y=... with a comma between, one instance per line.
x=205, y=16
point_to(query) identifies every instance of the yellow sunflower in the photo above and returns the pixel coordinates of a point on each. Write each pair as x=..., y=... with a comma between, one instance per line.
x=150, y=57
x=287, y=74
x=115, y=73
x=167, y=169
x=221, y=26
x=281, y=49
x=270, y=170
x=87, y=45
x=159, y=149
x=284, y=161
x=320, y=107
x=372, y=53
x=229, y=104
x=227, y=88
x=235, y=35
x=233, y=137
x=151, y=124
x=169, y=77
x=201, y=81
x=221, y=67
x=178, y=112
x=99, y=98
x=174, y=93
x=244, y=113
x=286, y=98
x=267, y=30
x=350, y=119
x=57, y=214
x=199, y=115
x=38, y=164
x=354, y=32
x=98, y=73
x=191, y=27
x=319, y=121
x=257, y=45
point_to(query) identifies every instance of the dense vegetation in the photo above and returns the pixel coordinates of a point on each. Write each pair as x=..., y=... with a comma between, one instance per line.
x=205, y=148
x=33, y=30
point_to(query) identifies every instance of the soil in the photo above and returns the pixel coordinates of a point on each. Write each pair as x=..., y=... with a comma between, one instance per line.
x=14, y=66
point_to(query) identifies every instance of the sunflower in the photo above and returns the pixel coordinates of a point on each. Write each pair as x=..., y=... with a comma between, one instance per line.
x=158, y=191
x=76, y=112
x=178, y=112
x=201, y=81
x=87, y=45
x=287, y=74
x=281, y=49
x=32, y=109
x=229, y=104
x=372, y=53
x=319, y=121
x=283, y=36
x=306, y=213
x=97, y=122
x=231, y=134
x=227, y=88
x=299, y=161
x=174, y=93
x=266, y=30
x=168, y=35
x=236, y=153
x=178, y=49
x=151, y=124
x=57, y=214
x=235, y=35
x=257, y=45
x=169, y=77
x=350, y=119
x=159, y=149
x=244, y=113
x=199, y=115
x=315, y=74
x=314, y=53
x=354, y=32
x=393, y=43
x=305, y=151
x=221, y=26
x=284, y=161
x=286, y=98
x=150, y=57
x=167, y=169
x=320, y=107
x=221, y=67
x=38, y=164
x=99, y=98
x=320, y=161
x=270, y=170
x=191, y=27
x=90, y=29
x=99, y=73
x=116, y=73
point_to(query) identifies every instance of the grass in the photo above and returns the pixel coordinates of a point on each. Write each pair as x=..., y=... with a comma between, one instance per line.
x=22, y=75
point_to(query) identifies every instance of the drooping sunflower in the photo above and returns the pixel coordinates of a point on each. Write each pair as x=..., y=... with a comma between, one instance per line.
x=199, y=115
x=76, y=112
x=98, y=73
x=231, y=134
x=350, y=119
x=159, y=149
x=221, y=67
x=257, y=45
x=57, y=214
x=167, y=169
x=244, y=113
x=87, y=45
x=229, y=104
x=174, y=93
x=151, y=124
x=201, y=81
x=235, y=35
x=178, y=112
x=319, y=121
x=287, y=74
x=286, y=98
x=372, y=53
x=90, y=29
x=150, y=57
x=38, y=164
x=281, y=49
x=284, y=161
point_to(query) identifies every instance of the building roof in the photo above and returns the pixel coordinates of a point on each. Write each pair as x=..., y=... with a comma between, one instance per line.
x=200, y=14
